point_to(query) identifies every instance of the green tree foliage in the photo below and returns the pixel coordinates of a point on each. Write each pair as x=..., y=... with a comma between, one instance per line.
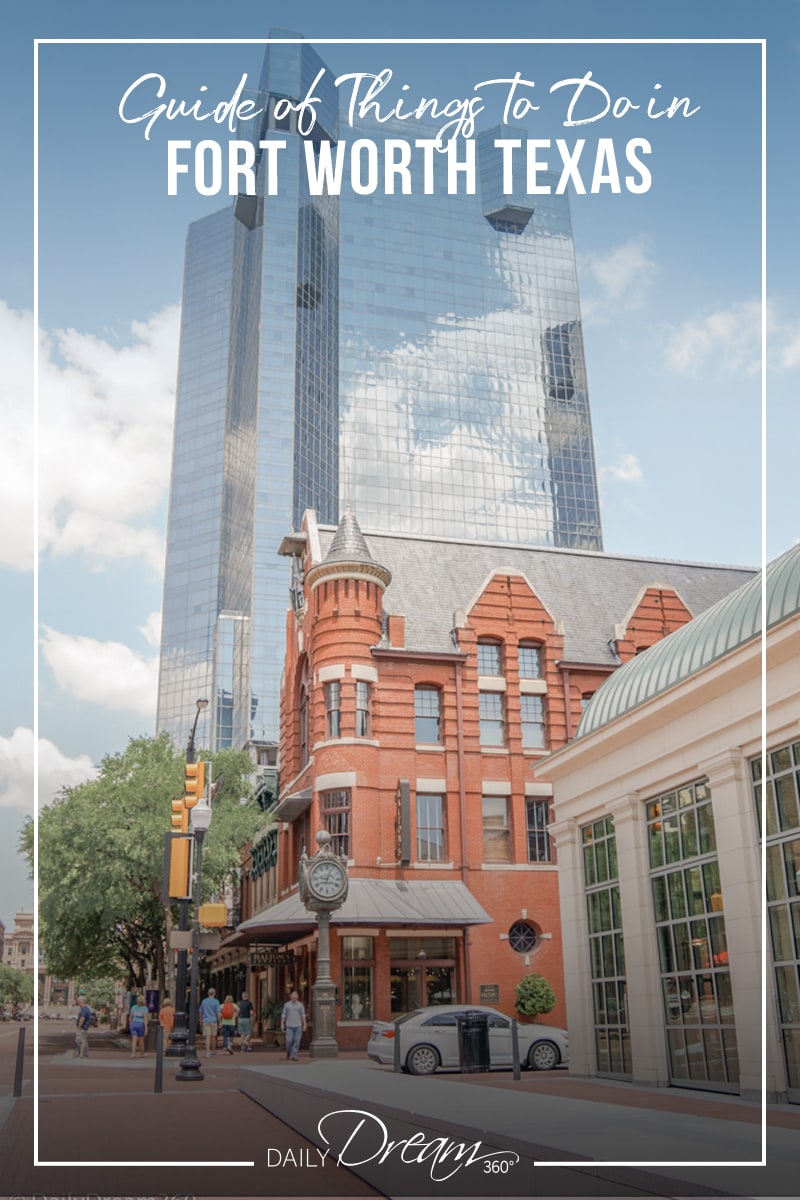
x=16, y=987
x=25, y=844
x=99, y=993
x=101, y=856
x=534, y=996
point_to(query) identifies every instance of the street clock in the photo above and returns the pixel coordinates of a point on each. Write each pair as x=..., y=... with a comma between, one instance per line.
x=326, y=880
x=323, y=879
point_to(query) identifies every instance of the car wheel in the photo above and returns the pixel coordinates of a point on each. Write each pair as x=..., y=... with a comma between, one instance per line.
x=543, y=1056
x=422, y=1060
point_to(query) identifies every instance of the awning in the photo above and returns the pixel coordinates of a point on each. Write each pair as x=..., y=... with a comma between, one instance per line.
x=377, y=901
x=292, y=806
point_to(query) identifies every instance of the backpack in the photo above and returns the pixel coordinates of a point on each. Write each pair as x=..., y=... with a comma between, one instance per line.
x=93, y=1020
x=228, y=1010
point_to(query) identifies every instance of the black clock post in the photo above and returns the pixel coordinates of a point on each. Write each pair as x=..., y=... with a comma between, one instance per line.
x=323, y=889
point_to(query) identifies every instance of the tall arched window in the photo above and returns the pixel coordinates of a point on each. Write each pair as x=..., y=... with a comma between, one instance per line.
x=302, y=712
x=490, y=656
x=530, y=660
x=427, y=714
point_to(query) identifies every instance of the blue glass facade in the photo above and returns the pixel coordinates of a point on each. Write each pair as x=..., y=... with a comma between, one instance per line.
x=417, y=356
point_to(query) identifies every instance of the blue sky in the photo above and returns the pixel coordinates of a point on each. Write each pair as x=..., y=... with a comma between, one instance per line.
x=670, y=284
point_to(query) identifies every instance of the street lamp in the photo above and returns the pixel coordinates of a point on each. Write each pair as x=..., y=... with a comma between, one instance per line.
x=190, y=1064
x=177, y=1039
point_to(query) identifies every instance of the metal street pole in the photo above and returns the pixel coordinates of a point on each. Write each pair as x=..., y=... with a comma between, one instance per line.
x=177, y=1039
x=190, y=1071
x=324, y=1044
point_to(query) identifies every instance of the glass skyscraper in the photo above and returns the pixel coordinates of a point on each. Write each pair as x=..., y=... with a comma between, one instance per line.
x=416, y=356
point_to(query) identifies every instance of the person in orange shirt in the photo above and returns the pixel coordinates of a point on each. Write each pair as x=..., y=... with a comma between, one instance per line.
x=166, y=1017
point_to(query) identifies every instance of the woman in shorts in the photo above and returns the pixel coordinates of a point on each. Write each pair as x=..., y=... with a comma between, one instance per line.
x=138, y=1025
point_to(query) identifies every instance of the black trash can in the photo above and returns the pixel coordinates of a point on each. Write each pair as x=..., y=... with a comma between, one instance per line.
x=473, y=1042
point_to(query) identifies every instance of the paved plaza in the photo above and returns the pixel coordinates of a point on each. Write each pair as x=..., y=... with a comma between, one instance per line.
x=258, y=1109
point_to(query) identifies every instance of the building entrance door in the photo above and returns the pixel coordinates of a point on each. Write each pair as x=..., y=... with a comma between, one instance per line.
x=416, y=986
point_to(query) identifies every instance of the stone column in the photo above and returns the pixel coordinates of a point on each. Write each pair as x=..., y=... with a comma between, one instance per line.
x=575, y=942
x=739, y=860
x=642, y=970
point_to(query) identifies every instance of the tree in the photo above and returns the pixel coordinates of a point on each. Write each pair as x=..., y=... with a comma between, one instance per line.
x=16, y=987
x=534, y=996
x=25, y=843
x=101, y=857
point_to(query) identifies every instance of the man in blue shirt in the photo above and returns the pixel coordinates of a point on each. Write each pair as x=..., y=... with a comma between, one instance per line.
x=82, y=1023
x=210, y=1019
x=293, y=1023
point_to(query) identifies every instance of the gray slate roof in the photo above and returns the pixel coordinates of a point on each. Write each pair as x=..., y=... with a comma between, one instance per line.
x=588, y=593
x=385, y=901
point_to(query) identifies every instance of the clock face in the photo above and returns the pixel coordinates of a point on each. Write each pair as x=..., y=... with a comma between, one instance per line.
x=326, y=879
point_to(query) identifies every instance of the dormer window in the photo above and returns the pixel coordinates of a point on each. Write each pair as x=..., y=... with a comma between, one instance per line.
x=530, y=660
x=490, y=657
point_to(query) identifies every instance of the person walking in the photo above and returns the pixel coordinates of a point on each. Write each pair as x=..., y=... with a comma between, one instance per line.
x=210, y=1018
x=293, y=1024
x=228, y=1014
x=166, y=1017
x=82, y=1024
x=138, y=1025
x=245, y=1023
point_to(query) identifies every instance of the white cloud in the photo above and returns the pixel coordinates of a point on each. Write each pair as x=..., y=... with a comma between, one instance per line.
x=729, y=336
x=151, y=630
x=56, y=770
x=627, y=470
x=105, y=435
x=16, y=444
x=789, y=353
x=617, y=280
x=107, y=673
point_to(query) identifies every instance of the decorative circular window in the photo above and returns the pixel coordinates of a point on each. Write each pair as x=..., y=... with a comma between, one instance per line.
x=523, y=937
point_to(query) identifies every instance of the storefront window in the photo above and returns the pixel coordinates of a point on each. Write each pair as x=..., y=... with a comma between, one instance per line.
x=606, y=948
x=776, y=795
x=692, y=940
x=357, y=976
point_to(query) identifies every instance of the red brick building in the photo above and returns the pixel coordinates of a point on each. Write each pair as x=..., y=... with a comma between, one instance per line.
x=423, y=680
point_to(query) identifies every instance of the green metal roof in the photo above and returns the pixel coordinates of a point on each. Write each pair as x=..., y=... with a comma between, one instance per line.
x=731, y=622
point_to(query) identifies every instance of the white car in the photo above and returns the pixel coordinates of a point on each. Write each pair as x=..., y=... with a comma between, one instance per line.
x=429, y=1039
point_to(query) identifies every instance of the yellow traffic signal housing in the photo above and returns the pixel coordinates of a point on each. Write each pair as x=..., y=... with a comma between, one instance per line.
x=195, y=783
x=212, y=915
x=179, y=853
x=180, y=816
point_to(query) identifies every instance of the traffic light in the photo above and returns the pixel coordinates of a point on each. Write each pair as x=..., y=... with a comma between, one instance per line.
x=178, y=882
x=180, y=816
x=194, y=784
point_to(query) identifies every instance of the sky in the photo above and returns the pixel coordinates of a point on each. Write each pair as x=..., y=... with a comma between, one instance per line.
x=670, y=285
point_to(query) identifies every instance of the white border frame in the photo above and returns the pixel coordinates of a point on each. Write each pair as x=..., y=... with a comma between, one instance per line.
x=396, y=41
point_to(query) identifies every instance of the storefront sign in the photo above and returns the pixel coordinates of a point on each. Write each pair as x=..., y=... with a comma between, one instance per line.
x=269, y=956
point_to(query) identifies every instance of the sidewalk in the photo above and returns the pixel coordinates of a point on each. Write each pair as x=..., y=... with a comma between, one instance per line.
x=357, y=1109
x=104, y=1110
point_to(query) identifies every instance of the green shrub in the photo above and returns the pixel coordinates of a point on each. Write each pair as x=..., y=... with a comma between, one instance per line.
x=534, y=996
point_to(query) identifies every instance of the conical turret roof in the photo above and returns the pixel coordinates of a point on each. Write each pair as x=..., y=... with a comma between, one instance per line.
x=349, y=544
x=349, y=553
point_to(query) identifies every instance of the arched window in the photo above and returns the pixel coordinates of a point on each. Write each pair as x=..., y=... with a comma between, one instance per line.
x=302, y=712
x=490, y=656
x=427, y=714
x=530, y=660
x=363, y=707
